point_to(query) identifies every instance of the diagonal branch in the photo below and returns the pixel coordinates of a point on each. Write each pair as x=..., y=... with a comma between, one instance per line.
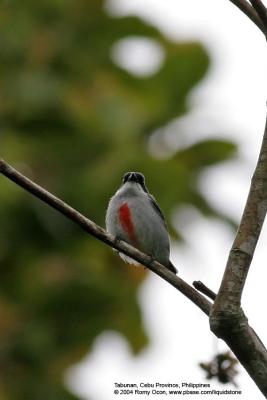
x=250, y=12
x=204, y=289
x=227, y=319
x=241, y=254
x=261, y=11
x=98, y=232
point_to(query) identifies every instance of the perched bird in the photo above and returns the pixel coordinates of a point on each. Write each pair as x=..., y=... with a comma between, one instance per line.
x=134, y=216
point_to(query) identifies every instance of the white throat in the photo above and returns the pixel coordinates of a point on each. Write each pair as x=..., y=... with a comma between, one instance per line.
x=130, y=189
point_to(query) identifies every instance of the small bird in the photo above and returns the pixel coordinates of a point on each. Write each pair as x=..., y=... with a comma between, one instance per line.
x=134, y=216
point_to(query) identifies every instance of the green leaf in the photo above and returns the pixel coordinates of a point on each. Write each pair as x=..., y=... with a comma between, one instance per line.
x=206, y=153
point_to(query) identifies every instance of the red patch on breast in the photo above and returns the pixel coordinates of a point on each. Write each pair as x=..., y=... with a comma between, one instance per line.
x=125, y=218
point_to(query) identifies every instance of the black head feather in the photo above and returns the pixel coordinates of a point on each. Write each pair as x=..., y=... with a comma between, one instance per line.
x=135, y=177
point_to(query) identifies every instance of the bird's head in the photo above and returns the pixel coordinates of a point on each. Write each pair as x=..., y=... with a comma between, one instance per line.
x=134, y=180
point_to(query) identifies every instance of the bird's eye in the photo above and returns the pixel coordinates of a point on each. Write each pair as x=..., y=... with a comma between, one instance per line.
x=140, y=178
x=126, y=177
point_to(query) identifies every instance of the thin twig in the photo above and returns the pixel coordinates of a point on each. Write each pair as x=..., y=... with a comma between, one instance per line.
x=98, y=232
x=249, y=11
x=261, y=11
x=204, y=289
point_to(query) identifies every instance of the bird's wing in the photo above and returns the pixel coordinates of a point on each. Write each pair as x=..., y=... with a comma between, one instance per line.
x=156, y=207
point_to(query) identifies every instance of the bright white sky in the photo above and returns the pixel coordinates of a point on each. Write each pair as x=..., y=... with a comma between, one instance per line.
x=231, y=101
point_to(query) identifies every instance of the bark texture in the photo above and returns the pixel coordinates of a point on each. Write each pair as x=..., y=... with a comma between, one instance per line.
x=227, y=319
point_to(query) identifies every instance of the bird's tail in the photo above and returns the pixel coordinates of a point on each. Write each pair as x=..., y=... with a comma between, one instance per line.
x=172, y=268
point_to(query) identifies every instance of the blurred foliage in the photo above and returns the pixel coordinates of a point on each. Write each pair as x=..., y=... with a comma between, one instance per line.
x=222, y=367
x=75, y=122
